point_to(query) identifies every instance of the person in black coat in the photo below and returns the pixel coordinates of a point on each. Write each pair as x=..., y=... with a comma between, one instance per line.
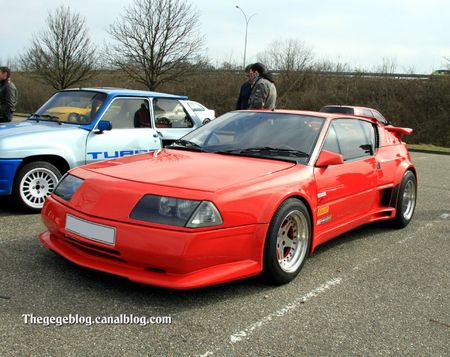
x=8, y=95
x=246, y=89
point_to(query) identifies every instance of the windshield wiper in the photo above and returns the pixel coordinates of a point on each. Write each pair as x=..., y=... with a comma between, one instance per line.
x=34, y=116
x=45, y=116
x=185, y=145
x=261, y=151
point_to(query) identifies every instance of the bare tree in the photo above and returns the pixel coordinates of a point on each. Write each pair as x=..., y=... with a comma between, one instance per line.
x=330, y=66
x=292, y=59
x=156, y=41
x=287, y=55
x=388, y=66
x=62, y=54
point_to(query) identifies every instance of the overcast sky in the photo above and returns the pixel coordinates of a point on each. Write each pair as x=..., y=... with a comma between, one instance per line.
x=412, y=34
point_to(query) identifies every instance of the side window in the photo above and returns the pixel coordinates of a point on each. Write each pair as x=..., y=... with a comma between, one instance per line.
x=331, y=142
x=356, y=138
x=128, y=113
x=196, y=107
x=170, y=113
x=370, y=133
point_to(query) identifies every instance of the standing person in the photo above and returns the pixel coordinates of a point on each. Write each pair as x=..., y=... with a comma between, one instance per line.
x=246, y=89
x=264, y=92
x=8, y=95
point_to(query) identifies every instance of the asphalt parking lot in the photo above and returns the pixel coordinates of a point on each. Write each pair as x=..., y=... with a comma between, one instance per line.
x=372, y=291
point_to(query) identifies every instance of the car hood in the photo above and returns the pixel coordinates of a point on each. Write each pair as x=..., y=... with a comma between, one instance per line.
x=33, y=127
x=27, y=138
x=189, y=170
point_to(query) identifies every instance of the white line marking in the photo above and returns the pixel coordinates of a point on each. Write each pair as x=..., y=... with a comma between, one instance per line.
x=404, y=240
x=245, y=333
x=209, y=353
x=420, y=229
x=240, y=335
x=11, y=240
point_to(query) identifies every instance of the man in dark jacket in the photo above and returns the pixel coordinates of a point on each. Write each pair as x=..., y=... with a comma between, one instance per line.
x=244, y=93
x=8, y=96
x=264, y=92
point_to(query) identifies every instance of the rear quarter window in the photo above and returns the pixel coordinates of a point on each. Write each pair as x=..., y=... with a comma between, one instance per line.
x=337, y=109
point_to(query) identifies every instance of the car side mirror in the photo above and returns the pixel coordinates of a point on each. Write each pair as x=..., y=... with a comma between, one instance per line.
x=104, y=125
x=327, y=158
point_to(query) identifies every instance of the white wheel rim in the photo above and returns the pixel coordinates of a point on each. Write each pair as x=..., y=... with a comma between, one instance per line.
x=36, y=185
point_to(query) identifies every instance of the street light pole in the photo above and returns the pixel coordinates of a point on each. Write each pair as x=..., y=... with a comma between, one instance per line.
x=247, y=20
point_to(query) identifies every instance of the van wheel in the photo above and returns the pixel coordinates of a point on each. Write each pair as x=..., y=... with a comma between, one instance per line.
x=33, y=183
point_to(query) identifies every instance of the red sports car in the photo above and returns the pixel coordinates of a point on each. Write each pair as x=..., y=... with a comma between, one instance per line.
x=251, y=192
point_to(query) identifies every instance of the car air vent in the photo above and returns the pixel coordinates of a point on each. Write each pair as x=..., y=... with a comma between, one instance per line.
x=94, y=249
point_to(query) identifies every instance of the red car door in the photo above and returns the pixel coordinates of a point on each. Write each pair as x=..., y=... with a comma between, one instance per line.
x=346, y=192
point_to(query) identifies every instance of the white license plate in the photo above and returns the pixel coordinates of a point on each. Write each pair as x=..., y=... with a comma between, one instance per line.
x=92, y=231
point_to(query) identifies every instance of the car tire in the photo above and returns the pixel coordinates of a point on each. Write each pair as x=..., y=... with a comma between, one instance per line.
x=406, y=202
x=33, y=183
x=287, y=243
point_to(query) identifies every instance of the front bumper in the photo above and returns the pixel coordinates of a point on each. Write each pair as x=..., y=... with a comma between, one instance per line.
x=155, y=256
x=8, y=168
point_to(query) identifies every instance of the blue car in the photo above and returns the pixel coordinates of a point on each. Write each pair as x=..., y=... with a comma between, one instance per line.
x=79, y=126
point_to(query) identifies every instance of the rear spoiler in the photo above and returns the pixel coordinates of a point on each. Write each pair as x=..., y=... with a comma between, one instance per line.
x=398, y=132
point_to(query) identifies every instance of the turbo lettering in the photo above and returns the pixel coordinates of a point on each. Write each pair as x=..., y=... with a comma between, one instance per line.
x=126, y=153
x=109, y=156
x=99, y=155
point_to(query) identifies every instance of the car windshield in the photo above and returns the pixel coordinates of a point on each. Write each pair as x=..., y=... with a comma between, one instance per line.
x=271, y=135
x=75, y=107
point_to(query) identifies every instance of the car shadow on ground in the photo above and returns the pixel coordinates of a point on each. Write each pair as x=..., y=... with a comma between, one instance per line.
x=8, y=208
x=364, y=232
x=129, y=290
